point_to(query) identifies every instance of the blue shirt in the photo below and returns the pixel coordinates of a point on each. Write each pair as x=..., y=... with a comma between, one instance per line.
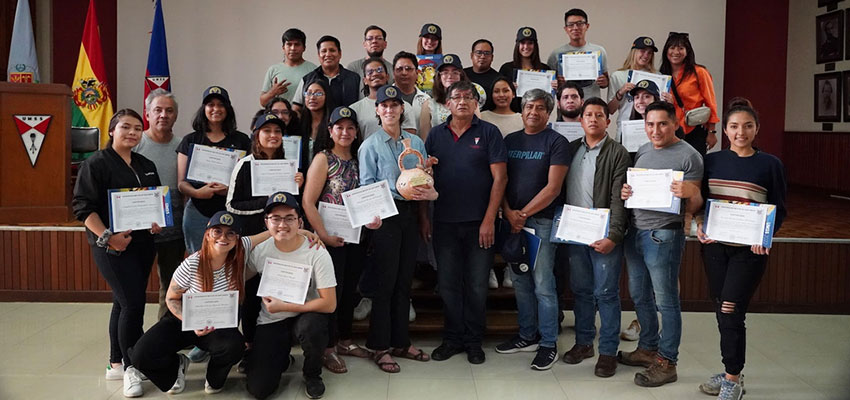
x=463, y=177
x=529, y=159
x=378, y=157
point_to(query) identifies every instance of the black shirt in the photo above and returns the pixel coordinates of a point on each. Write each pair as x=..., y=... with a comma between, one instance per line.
x=346, y=87
x=486, y=79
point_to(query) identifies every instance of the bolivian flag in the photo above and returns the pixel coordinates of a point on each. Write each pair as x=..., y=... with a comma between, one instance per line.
x=90, y=92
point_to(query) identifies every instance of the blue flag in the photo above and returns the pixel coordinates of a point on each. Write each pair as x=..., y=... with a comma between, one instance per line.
x=23, y=63
x=157, y=74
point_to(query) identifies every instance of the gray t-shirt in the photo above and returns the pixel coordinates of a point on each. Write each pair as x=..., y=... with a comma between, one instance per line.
x=282, y=72
x=679, y=156
x=593, y=90
x=323, y=272
x=368, y=120
x=580, y=177
x=164, y=156
x=357, y=67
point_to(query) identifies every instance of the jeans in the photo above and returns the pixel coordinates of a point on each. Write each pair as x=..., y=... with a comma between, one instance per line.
x=194, y=225
x=734, y=273
x=536, y=296
x=653, y=257
x=462, y=277
x=169, y=255
x=594, y=280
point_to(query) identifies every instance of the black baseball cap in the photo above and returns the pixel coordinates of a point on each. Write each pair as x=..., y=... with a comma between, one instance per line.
x=224, y=218
x=268, y=118
x=450, y=59
x=282, y=198
x=341, y=113
x=431, y=29
x=647, y=85
x=645, y=42
x=526, y=33
x=216, y=91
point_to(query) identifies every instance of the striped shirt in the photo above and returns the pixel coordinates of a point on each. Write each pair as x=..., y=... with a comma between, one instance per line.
x=186, y=275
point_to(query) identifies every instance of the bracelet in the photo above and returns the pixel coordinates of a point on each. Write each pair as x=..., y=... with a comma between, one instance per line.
x=714, y=131
x=103, y=240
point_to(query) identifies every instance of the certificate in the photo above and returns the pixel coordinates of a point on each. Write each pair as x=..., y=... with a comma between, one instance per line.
x=284, y=280
x=212, y=164
x=292, y=148
x=335, y=219
x=650, y=188
x=138, y=208
x=569, y=130
x=633, y=134
x=675, y=204
x=582, y=225
x=663, y=81
x=527, y=80
x=210, y=309
x=580, y=66
x=366, y=202
x=272, y=176
x=741, y=223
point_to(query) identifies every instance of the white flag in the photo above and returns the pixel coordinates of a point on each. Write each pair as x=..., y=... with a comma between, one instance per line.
x=23, y=63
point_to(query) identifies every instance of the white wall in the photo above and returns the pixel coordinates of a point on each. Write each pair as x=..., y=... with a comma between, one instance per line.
x=232, y=43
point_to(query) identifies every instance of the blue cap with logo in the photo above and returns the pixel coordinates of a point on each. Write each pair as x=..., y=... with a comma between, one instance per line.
x=341, y=113
x=268, y=118
x=645, y=42
x=388, y=92
x=431, y=29
x=216, y=91
x=224, y=218
x=282, y=199
x=647, y=85
x=526, y=33
x=450, y=59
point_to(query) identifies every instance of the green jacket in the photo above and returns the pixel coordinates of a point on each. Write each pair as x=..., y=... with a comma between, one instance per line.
x=611, y=166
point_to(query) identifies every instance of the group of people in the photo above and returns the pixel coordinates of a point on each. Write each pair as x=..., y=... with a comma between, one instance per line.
x=497, y=167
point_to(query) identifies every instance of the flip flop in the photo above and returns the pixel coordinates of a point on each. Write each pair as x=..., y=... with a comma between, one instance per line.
x=353, y=350
x=334, y=364
x=390, y=367
x=405, y=353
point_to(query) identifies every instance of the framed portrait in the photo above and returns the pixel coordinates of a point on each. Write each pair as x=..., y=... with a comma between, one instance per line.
x=828, y=102
x=829, y=40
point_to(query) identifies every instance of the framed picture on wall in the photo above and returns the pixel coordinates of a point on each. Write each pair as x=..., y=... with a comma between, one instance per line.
x=828, y=97
x=824, y=3
x=845, y=105
x=829, y=40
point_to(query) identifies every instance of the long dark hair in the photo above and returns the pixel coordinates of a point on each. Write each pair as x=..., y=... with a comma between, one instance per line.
x=113, y=122
x=257, y=150
x=307, y=116
x=636, y=115
x=678, y=39
x=293, y=128
x=535, y=57
x=200, y=123
x=490, y=105
x=325, y=142
x=439, y=91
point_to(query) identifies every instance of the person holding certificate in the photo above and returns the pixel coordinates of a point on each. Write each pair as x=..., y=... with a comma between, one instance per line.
x=654, y=247
x=576, y=26
x=538, y=160
x=741, y=173
x=215, y=125
x=499, y=109
x=395, y=256
x=217, y=267
x=641, y=57
x=283, y=109
x=526, y=55
x=333, y=171
x=282, y=324
x=124, y=259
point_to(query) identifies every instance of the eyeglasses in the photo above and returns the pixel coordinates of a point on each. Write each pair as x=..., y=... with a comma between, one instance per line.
x=314, y=94
x=217, y=232
x=374, y=38
x=370, y=71
x=685, y=34
x=577, y=24
x=276, y=220
x=450, y=73
x=462, y=98
x=405, y=68
x=279, y=112
x=482, y=53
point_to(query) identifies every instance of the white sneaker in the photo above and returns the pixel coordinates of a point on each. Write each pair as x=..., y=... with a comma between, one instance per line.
x=132, y=383
x=631, y=333
x=363, y=309
x=411, y=315
x=493, y=283
x=210, y=390
x=180, y=383
x=114, y=374
x=507, y=282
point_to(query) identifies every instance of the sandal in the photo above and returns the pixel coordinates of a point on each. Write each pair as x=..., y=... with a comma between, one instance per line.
x=334, y=364
x=405, y=353
x=353, y=350
x=390, y=367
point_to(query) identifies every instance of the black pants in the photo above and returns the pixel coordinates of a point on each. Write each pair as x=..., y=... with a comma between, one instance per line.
x=395, y=245
x=155, y=354
x=251, y=308
x=127, y=275
x=562, y=273
x=695, y=138
x=169, y=255
x=733, y=275
x=348, y=265
x=269, y=357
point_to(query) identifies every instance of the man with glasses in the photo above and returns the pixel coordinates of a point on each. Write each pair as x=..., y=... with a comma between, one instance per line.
x=374, y=42
x=471, y=177
x=344, y=84
x=576, y=27
x=280, y=77
x=376, y=74
x=404, y=65
x=481, y=71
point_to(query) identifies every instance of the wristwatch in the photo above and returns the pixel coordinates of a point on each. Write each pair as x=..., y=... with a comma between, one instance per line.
x=103, y=240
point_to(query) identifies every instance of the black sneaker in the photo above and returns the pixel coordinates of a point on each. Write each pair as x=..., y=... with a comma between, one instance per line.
x=517, y=344
x=475, y=355
x=545, y=358
x=315, y=388
x=445, y=351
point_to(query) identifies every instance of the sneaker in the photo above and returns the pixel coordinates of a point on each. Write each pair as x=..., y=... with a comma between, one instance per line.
x=411, y=315
x=638, y=358
x=180, y=383
x=517, y=344
x=545, y=358
x=506, y=281
x=493, y=283
x=132, y=383
x=114, y=374
x=712, y=385
x=211, y=390
x=314, y=388
x=198, y=356
x=730, y=390
x=661, y=372
x=632, y=333
x=363, y=309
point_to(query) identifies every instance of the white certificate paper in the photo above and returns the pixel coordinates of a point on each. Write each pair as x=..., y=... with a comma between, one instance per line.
x=284, y=280
x=527, y=80
x=292, y=148
x=335, y=219
x=210, y=309
x=580, y=66
x=583, y=225
x=663, y=81
x=738, y=223
x=650, y=188
x=569, y=130
x=212, y=164
x=271, y=176
x=138, y=209
x=633, y=134
x=366, y=202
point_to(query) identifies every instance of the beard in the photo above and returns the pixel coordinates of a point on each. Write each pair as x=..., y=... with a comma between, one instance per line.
x=570, y=114
x=375, y=53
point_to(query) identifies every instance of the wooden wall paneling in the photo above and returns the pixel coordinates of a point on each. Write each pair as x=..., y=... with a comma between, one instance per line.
x=78, y=274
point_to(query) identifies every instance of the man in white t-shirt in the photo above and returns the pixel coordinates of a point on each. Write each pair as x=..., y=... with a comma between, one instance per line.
x=576, y=27
x=281, y=323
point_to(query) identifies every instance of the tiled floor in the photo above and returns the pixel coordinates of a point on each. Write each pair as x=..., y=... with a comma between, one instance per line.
x=59, y=351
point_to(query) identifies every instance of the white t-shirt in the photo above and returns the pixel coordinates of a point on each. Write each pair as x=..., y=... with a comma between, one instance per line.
x=507, y=123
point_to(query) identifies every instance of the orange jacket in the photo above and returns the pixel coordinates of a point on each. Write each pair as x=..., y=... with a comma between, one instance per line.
x=695, y=94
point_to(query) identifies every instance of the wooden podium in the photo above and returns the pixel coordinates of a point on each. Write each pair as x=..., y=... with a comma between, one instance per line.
x=35, y=153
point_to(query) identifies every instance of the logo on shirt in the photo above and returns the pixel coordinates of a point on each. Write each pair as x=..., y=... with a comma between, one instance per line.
x=33, y=129
x=526, y=154
x=477, y=139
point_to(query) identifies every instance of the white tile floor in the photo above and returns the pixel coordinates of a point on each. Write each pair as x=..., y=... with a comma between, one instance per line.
x=59, y=351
